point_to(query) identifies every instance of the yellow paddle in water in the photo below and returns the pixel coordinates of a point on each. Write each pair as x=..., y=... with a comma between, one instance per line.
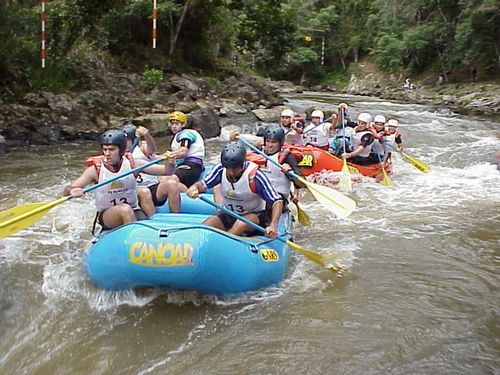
x=419, y=164
x=385, y=181
x=303, y=216
x=326, y=260
x=345, y=179
x=341, y=205
x=17, y=218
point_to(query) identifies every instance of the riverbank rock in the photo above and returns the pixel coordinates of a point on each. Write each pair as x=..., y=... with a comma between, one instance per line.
x=465, y=98
x=116, y=99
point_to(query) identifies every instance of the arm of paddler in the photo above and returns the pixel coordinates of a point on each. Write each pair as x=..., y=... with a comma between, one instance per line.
x=75, y=188
x=167, y=168
x=272, y=228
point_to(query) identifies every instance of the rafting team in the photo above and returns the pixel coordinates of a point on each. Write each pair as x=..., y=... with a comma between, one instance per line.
x=257, y=190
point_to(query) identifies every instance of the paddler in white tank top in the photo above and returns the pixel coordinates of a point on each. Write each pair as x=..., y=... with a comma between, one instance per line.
x=362, y=141
x=117, y=203
x=245, y=190
x=188, y=148
x=141, y=150
x=317, y=133
x=293, y=130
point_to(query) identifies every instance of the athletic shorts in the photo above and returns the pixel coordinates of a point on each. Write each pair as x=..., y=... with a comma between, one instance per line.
x=228, y=220
x=188, y=172
x=156, y=202
x=139, y=215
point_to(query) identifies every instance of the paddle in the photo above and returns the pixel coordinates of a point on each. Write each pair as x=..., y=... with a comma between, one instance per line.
x=321, y=259
x=17, y=218
x=345, y=179
x=385, y=181
x=419, y=164
x=315, y=126
x=341, y=205
x=303, y=216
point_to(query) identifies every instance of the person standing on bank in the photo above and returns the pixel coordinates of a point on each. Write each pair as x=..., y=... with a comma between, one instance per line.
x=188, y=148
x=245, y=190
x=117, y=203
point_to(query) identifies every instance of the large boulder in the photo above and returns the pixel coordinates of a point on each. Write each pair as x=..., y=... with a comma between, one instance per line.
x=205, y=120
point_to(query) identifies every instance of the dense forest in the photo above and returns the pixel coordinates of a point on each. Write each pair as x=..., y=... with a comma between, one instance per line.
x=312, y=41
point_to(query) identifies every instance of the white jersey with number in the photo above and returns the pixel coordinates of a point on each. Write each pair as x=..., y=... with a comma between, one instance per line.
x=238, y=196
x=356, y=142
x=317, y=135
x=292, y=137
x=117, y=192
x=144, y=179
x=278, y=179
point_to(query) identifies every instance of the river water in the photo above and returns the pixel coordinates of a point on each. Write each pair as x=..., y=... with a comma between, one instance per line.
x=419, y=291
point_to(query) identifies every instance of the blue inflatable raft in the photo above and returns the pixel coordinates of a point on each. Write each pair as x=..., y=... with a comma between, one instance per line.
x=176, y=251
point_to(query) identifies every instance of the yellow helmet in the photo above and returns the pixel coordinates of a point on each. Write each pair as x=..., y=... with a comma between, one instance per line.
x=177, y=115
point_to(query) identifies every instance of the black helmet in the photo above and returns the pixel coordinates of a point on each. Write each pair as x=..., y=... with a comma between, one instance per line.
x=233, y=154
x=274, y=131
x=114, y=137
x=129, y=131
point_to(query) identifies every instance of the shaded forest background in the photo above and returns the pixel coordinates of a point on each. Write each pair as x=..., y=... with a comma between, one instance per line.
x=304, y=41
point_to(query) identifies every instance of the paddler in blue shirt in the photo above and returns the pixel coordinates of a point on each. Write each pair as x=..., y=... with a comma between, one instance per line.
x=245, y=190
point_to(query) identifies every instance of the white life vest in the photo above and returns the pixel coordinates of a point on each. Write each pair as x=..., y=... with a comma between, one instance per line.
x=143, y=179
x=197, y=147
x=317, y=135
x=292, y=137
x=116, y=192
x=390, y=141
x=378, y=147
x=238, y=196
x=278, y=179
x=339, y=132
x=356, y=142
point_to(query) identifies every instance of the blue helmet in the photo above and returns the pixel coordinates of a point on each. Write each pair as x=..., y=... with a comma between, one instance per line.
x=129, y=131
x=274, y=131
x=114, y=137
x=233, y=154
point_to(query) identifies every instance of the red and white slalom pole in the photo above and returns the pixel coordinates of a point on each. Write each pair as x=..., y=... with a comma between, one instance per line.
x=42, y=32
x=155, y=17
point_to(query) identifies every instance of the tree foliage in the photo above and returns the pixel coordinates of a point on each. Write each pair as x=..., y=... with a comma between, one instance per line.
x=284, y=39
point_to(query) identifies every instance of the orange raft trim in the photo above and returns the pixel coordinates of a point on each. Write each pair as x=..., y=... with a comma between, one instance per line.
x=315, y=160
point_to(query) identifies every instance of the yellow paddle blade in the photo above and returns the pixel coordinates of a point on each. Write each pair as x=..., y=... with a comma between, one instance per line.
x=17, y=218
x=386, y=181
x=419, y=164
x=303, y=217
x=341, y=205
x=345, y=179
x=324, y=260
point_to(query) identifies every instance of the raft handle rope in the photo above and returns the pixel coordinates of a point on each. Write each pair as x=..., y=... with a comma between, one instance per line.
x=165, y=232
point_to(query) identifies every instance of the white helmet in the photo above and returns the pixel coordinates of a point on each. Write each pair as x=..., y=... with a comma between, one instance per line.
x=343, y=105
x=318, y=113
x=379, y=118
x=392, y=122
x=366, y=117
x=287, y=112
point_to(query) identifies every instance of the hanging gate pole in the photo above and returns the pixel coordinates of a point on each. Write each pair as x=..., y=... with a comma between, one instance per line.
x=42, y=32
x=155, y=17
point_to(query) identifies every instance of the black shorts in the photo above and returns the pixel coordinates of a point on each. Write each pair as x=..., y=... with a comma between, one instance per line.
x=359, y=160
x=228, y=220
x=188, y=172
x=156, y=202
x=139, y=215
